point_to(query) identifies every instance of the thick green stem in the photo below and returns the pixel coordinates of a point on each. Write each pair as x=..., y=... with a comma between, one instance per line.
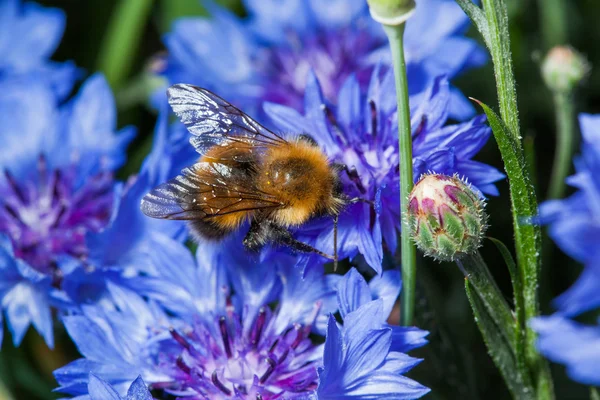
x=123, y=35
x=565, y=126
x=553, y=22
x=497, y=18
x=409, y=262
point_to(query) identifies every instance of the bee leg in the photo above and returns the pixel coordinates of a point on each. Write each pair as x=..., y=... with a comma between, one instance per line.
x=263, y=232
x=257, y=236
x=361, y=200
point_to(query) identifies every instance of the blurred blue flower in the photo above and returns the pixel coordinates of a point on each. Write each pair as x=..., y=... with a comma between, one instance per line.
x=233, y=326
x=268, y=55
x=575, y=227
x=29, y=34
x=99, y=389
x=361, y=133
x=56, y=187
x=574, y=222
x=573, y=344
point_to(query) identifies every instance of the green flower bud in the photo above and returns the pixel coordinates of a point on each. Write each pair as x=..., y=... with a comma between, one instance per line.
x=563, y=69
x=391, y=12
x=446, y=217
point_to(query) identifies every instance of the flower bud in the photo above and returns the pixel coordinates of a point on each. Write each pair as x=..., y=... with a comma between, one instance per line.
x=446, y=217
x=563, y=69
x=391, y=12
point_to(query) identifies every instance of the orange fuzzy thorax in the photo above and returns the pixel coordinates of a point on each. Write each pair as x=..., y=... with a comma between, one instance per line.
x=300, y=175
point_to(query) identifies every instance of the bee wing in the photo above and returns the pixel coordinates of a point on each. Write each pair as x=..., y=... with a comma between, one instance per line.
x=212, y=120
x=193, y=195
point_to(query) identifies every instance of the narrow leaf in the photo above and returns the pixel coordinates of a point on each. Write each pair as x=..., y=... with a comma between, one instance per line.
x=499, y=349
x=478, y=17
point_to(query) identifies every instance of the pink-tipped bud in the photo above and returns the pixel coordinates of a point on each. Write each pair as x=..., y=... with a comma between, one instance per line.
x=563, y=69
x=446, y=217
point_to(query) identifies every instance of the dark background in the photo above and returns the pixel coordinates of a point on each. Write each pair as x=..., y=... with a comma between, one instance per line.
x=456, y=364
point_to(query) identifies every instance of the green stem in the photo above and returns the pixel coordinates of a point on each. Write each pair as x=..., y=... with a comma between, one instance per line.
x=565, y=118
x=409, y=257
x=553, y=22
x=492, y=22
x=497, y=19
x=123, y=35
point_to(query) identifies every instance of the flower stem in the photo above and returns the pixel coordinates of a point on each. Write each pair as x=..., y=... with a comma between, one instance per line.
x=565, y=117
x=123, y=35
x=409, y=262
x=492, y=23
x=553, y=22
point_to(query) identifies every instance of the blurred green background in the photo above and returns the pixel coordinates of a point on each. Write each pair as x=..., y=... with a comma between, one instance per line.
x=456, y=363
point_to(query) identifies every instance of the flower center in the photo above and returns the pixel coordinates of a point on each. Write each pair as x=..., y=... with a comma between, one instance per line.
x=48, y=215
x=225, y=360
x=333, y=56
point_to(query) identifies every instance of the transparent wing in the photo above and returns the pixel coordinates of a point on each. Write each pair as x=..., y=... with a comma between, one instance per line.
x=212, y=120
x=203, y=191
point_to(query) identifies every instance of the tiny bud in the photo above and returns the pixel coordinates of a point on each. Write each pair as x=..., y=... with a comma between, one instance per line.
x=391, y=12
x=446, y=217
x=563, y=69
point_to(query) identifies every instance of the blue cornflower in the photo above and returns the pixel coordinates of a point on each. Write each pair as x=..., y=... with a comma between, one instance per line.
x=29, y=34
x=574, y=222
x=268, y=55
x=571, y=343
x=56, y=187
x=575, y=227
x=99, y=389
x=234, y=327
x=361, y=133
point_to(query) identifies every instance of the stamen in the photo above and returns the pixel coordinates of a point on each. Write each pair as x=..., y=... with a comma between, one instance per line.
x=182, y=366
x=225, y=336
x=260, y=323
x=334, y=124
x=180, y=339
x=218, y=384
x=374, y=121
x=269, y=371
x=15, y=186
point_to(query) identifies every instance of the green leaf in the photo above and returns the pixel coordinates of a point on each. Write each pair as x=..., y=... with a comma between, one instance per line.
x=478, y=17
x=499, y=349
x=594, y=394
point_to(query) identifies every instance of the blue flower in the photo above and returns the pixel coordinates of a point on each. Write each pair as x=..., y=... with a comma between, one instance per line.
x=56, y=187
x=575, y=221
x=575, y=345
x=29, y=34
x=221, y=335
x=232, y=326
x=364, y=359
x=361, y=133
x=268, y=55
x=99, y=389
x=575, y=227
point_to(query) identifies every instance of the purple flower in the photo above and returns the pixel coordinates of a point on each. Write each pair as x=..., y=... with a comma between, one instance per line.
x=268, y=55
x=234, y=327
x=361, y=133
x=29, y=34
x=57, y=186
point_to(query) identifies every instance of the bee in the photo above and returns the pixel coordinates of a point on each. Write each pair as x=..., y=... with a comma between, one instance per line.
x=246, y=173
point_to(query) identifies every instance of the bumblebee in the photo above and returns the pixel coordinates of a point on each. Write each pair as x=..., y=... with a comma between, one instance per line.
x=245, y=173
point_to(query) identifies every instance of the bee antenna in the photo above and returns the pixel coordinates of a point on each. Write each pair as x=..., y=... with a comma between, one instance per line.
x=335, y=249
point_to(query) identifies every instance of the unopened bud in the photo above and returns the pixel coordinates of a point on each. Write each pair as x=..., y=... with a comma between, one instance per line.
x=446, y=217
x=391, y=12
x=563, y=69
